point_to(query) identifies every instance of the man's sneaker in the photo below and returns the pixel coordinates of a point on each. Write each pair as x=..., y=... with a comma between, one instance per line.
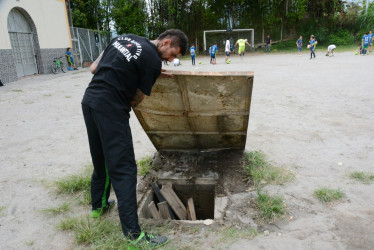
x=98, y=212
x=149, y=239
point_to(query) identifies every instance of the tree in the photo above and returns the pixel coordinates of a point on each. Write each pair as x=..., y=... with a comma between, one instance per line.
x=129, y=16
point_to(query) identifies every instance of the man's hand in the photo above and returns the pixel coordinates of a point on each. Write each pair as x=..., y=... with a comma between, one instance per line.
x=165, y=75
x=137, y=99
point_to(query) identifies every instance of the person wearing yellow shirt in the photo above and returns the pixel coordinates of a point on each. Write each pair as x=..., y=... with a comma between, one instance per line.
x=242, y=43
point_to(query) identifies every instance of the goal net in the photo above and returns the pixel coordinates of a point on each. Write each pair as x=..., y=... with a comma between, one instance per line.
x=220, y=37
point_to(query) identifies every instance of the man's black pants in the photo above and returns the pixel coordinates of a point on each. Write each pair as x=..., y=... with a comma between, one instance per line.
x=114, y=163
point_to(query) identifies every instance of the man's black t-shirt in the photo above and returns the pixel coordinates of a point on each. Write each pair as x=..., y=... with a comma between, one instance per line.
x=268, y=39
x=129, y=63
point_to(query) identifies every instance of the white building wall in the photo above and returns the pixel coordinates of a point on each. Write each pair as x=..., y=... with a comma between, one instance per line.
x=50, y=19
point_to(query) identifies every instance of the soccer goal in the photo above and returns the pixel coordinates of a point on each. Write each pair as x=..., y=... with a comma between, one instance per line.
x=220, y=37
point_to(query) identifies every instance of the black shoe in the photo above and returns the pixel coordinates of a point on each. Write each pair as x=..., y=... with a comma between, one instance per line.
x=149, y=239
x=99, y=211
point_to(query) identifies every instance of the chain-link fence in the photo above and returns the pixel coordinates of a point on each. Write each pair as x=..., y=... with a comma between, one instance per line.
x=87, y=45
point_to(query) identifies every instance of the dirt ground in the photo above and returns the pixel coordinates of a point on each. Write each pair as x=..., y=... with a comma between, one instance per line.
x=314, y=117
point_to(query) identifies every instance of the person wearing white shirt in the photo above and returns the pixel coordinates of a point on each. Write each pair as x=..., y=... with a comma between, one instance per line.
x=330, y=50
x=227, y=50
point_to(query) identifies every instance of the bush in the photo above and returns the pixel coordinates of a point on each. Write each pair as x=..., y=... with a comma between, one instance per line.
x=341, y=37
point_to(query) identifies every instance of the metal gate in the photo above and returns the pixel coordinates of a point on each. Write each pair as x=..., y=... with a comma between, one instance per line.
x=21, y=39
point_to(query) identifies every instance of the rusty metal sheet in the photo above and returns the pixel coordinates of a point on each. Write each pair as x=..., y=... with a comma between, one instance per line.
x=198, y=111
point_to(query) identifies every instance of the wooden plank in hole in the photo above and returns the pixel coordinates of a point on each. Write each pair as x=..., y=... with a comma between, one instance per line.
x=191, y=215
x=153, y=210
x=163, y=209
x=174, y=202
x=160, y=198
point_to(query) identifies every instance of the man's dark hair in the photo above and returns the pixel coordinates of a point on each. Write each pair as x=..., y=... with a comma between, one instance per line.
x=178, y=38
x=366, y=33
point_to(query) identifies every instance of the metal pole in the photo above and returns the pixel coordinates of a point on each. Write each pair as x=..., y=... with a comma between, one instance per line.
x=79, y=46
x=253, y=39
x=367, y=6
x=89, y=42
x=204, y=43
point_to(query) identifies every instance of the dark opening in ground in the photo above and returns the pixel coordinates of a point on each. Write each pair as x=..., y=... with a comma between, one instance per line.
x=203, y=196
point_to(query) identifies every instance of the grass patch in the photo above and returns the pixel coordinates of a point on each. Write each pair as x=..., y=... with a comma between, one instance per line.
x=362, y=176
x=79, y=184
x=2, y=211
x=327, y=195
x=47, y=95
x=58, y=210
x=17, y=90
x=30, y=243
x=97, y=233
x=270, y=207
x=262, y=172
x=144, y=165
x=229, y=235
x=29, y=102
x=67, y=96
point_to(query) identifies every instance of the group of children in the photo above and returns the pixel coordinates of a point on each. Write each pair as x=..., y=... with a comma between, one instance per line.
x=312, y=46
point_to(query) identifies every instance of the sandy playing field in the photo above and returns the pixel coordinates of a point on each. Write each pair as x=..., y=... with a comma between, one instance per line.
x=314, y=117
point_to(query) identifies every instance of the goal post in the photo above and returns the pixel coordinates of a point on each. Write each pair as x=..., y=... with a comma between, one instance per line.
x=235, y=34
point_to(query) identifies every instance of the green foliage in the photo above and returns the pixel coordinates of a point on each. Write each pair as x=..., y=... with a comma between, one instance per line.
x=270, y=207
x=327, y=195
x=145, y=165
x=129, y=16
x=362, y=176
x=341, y=37
x=262, y=172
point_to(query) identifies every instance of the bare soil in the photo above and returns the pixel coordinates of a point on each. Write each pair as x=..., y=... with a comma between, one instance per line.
x=314, y=117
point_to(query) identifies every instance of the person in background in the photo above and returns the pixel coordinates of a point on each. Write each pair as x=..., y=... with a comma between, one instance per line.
x=330, y=50
x=227, y=50
x=312, y=44
x=371, y=38
x=213, y=53
x=365, y=43
x=193, y=53
x=210, y=53
x=299, y=44
x=241, y=49
x=268, y=43
x=70, y=59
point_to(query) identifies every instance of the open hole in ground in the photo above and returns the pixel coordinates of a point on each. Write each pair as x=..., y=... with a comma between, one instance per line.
x=202, y=195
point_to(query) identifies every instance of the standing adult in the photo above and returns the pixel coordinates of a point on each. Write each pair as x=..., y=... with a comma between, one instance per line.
x=241, y=49
x=227, y=50
x=193, y=53
x=268, y=43
x=299, y=44
x=123, y=74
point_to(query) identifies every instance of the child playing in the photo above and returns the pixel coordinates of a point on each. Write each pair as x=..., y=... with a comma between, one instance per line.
x=330, y=50
x=299, y=44
x=70, y=59
x=312, y=43
x=213, y=54
x=192, y=52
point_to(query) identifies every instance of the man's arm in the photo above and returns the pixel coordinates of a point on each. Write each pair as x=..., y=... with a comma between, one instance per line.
x=248, y=44
x=137, y=99
x=95, y=63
